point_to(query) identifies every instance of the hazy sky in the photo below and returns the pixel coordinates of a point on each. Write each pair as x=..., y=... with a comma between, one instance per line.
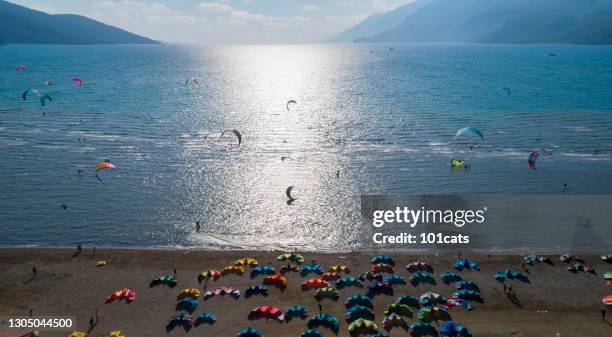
x=224, y=21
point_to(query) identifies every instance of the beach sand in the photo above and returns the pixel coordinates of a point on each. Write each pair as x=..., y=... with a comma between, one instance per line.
x=75, y=286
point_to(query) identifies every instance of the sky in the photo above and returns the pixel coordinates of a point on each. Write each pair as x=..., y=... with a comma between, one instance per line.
x=224, y=21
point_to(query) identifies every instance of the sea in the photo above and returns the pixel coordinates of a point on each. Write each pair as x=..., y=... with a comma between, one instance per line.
x=369, y=119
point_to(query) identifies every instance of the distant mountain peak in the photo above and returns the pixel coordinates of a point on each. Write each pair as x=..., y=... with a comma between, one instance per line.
x=20, y=24
x=499, y=21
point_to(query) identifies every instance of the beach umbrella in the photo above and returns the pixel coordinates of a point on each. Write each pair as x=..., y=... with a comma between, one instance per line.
x=421, y=329
x=324, y=320
x=296, y=311
x=278, y=281
x=311, y=268
x=205, y=318
x=262, y=270
x=339, y=268
x=331, y=276
x=289, y=268
x=394, y=279
x=607, y=301
x=469, y=285
x=348, y=281
x=419, y=266
x=238, y=270
x=250, y=332
x=607, y=276
x=432, y=314
x=183, y=320
x=168, y=280
x=312, y=333
x=383, y=259
x=468, y=295
x=431, y=298
x=398, y=309
x=379, y=288
x=222, y=291
x=314, y=283
x=267, y=312
x=246, y=261
x=327, y=293
x=452, y=329
x=256, y=290
x=126, y=294
x=188, y=304
x=294, y=257
x=450, y=277
x=358, y=311
x=358, y=300
x=362, y=327
x=422, y=277
x=394, y=321
x=463, y=263
x=189, y=292
x=209, y=275
x=408, y=300
x=370, y=276
x=381, y=268
x=607, y=258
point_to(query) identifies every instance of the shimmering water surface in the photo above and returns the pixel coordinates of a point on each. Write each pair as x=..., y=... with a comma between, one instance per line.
x=384, y=118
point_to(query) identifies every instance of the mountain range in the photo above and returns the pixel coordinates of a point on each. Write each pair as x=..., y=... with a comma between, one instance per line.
x=489, y=21
x=19, y=24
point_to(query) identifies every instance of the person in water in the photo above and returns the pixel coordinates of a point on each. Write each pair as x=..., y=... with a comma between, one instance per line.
x=564, y=189
x=198, y=226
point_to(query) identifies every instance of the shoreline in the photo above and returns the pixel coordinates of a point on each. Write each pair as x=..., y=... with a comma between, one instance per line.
x=426, y=252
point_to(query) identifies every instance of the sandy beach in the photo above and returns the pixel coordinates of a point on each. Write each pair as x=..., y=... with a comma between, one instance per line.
x=555, y=300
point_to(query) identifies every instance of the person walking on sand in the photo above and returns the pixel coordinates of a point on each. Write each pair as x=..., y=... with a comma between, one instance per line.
x=91, y=323
x=34, y=271
x=603, y=315
x=175, y=272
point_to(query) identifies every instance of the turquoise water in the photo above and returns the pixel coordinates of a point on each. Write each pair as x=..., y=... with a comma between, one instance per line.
x=384, y=118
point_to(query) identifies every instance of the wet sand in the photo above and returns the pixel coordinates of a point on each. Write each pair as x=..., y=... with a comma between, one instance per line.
x=555, y=300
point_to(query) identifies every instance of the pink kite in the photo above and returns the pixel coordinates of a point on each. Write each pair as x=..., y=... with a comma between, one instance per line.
x=77, y=80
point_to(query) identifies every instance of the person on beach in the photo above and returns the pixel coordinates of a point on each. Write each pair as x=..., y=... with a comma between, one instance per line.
x=603, y=315
x=79, y=248
x=34, y=271
x=175, y=272
x=198, y=226
x=91, y=323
